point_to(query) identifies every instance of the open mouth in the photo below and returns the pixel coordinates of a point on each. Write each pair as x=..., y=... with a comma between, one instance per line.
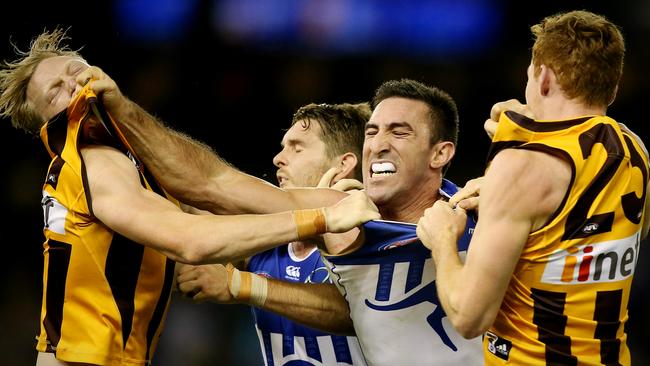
x=382, y=169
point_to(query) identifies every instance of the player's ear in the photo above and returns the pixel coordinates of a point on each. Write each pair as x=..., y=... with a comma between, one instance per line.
x=347, y=162
x=441, y=154
x=547, y=80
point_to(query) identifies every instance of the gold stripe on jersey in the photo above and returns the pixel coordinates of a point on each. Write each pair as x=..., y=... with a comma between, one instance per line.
x=104, y=296
x=566, y=303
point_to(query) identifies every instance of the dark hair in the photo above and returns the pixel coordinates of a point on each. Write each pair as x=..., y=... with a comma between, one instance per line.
x=443, y=111
x=342, y=127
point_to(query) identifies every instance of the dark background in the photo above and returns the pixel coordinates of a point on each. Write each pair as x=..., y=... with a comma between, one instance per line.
x=231, y=73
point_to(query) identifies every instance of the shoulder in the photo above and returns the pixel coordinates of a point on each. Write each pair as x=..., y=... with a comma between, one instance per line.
x=108, y=167
x=105, y=156
x=528, y=183
x=528, y=167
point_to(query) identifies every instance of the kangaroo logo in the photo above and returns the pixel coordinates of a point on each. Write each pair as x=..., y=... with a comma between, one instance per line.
x=425, y=294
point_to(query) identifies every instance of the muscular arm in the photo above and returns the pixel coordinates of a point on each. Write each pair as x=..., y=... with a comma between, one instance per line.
x=177, y=160
x=316, y=305
x=319, y=306
x=190, y=170
x=507, y=216
x=120, y=202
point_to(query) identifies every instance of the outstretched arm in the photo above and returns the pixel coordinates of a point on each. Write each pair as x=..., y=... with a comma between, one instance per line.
x=506, y=218
x=189, y=170
x=120, y=202
x=319, y=306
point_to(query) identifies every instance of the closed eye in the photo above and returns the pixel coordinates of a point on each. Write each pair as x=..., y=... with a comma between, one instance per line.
x=52, y=94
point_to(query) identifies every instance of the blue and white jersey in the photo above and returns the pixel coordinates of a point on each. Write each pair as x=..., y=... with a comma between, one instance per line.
x=284, y=342
x=389, y=283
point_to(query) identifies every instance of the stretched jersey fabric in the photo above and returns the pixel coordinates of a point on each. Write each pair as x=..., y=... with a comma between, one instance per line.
x=566, y=303
x=284, y=342
x=104, y=296
x=389, y=283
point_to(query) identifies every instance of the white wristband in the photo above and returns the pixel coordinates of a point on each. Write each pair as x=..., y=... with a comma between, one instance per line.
x=247, y=287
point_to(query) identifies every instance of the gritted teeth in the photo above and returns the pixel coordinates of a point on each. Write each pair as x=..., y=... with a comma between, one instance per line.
x=382, y=168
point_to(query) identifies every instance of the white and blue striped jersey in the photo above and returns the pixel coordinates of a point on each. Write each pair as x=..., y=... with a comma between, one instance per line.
x=285, y=342
x=389, y=283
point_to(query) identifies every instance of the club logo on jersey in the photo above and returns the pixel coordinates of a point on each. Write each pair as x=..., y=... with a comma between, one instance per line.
x=293, y=273
x=498, y=346
x=51, y=179
x=396, y=244
x=590, y=228
x=54, y=214
x=609, y=261
x=426, y=293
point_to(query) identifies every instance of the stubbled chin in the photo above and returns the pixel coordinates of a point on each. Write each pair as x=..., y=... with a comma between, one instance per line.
x=378, y=195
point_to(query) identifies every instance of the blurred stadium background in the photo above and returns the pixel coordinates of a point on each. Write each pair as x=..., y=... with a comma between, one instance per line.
x=231, y=73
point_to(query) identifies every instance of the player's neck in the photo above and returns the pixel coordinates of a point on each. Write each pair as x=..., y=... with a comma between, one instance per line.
x=410, y=210
x=302, y=249
x=565, y=109
x=409, y=206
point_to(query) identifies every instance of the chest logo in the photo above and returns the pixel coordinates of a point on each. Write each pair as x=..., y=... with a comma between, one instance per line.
x=293, y=272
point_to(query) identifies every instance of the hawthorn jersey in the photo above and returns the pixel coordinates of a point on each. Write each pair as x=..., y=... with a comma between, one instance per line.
x=104, y=296
x=285, y=342
x=566, y=303
x=389, y=283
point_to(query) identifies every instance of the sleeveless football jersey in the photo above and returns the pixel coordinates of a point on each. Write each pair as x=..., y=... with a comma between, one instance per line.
x=284, y=342
x=104, y=296
x=389, y=283
x=566, y=303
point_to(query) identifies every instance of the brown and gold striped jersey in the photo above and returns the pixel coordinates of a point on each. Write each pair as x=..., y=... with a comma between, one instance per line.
x=566, y=303
x=104, y=296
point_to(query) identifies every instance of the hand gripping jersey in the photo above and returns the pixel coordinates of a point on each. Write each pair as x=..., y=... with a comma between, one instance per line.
x=104, y=296
x=566, y=303
x=284, y=342
x=389, y=283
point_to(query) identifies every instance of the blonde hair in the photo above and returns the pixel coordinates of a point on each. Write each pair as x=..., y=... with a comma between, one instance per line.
x=15, y=76
x=585, y=51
